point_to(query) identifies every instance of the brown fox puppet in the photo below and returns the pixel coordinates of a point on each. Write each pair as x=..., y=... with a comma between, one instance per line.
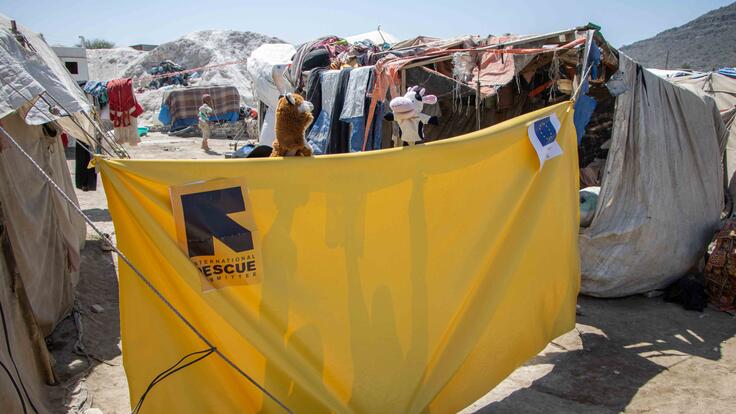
x=293, y=116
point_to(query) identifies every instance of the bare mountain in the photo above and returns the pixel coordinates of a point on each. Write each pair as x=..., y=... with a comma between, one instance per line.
x=706, y=43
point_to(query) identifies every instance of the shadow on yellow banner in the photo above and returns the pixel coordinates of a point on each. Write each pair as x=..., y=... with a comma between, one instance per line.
x=408, y=280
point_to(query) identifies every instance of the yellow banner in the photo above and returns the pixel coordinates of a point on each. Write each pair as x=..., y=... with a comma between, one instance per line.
x=407, y=280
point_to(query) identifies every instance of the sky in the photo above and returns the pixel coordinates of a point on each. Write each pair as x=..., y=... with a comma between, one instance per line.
x=158, y=21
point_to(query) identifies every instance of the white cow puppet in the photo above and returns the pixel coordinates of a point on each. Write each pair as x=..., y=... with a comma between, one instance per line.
x=407, y=111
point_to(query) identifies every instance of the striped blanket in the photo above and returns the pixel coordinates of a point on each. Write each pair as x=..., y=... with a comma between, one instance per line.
x=180, y=107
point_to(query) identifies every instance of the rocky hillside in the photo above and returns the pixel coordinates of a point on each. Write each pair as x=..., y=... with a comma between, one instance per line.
x=204, y=48
x=706, y=43
x=197, y=49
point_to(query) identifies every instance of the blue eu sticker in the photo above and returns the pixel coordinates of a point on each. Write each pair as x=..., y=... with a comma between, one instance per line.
x=545, y=131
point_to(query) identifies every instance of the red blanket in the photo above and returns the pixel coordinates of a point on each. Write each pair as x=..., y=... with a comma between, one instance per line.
x=122, y=103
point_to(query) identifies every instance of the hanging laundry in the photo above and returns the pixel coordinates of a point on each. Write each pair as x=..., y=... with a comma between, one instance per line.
x=124, y=110
x=85, y=178
x=584, y=107
x=355, y=93
x=376, y=129
x=319, y=135
x=294, y=72
x=98, y=90
x=123, y=104
x=354, y=105
x=314, y=93
x=338, y=142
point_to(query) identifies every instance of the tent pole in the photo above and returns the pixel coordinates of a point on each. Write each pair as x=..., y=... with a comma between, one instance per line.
x=395, y=125
x=584, y=67
x=477, y=101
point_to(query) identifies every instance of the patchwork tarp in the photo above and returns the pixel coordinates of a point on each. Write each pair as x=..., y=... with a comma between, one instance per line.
x=662, y=190
x=406, y=280
x=180, y=107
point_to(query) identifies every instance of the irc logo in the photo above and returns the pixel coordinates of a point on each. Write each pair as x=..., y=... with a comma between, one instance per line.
x=215, y=228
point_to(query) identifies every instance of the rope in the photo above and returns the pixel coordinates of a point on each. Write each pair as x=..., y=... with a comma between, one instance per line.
x=574, y=96
x=117, y=148
x=120, y=151
x=170, y=74
x=141, y=276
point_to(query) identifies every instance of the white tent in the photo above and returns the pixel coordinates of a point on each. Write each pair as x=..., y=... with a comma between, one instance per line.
x=378, y=37
x=260, y=66
x=29, y=70
x=41, y=235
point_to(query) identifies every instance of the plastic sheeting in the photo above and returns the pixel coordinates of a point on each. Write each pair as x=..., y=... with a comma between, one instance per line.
x=723, y=90
x=393, y=281
x=662, y=190
x=260, y=65
x=24, y=74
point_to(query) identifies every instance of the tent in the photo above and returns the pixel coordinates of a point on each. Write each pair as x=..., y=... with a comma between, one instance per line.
x=662, y=188
x=481, y=81
x=260, y=66
x=377, y=37
x=41, y=236
x=721, y=86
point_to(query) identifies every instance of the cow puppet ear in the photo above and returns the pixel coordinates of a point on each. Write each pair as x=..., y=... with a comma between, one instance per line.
x=289, y=97
x=429, y=99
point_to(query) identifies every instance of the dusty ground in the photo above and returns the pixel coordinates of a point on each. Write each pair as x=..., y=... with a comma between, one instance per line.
x=633, y=355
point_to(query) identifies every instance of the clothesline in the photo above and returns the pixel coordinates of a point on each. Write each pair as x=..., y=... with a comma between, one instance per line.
x=461, y=83
x=170, y=74
x=387, y=70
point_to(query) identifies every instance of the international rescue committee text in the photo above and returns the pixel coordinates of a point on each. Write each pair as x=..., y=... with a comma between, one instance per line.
x=240, y=268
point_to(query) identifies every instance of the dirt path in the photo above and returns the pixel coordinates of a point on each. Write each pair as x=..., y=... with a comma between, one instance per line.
x=631, y=355
x=99, y=380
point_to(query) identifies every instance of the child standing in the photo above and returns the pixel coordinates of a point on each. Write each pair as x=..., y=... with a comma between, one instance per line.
x=205, y=112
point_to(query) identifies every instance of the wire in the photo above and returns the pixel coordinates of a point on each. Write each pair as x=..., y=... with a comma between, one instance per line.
x=10, y=355
x=170, y=371
x=141, y=276
x=17, y=390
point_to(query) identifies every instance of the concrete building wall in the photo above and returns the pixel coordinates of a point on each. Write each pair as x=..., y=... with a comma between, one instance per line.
x=75, y=60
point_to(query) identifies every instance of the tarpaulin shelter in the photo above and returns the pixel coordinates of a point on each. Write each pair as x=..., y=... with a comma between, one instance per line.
x=41, y=235
x=721, y=86
x=662, y=190
x=260, y=66
x=378, y=37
